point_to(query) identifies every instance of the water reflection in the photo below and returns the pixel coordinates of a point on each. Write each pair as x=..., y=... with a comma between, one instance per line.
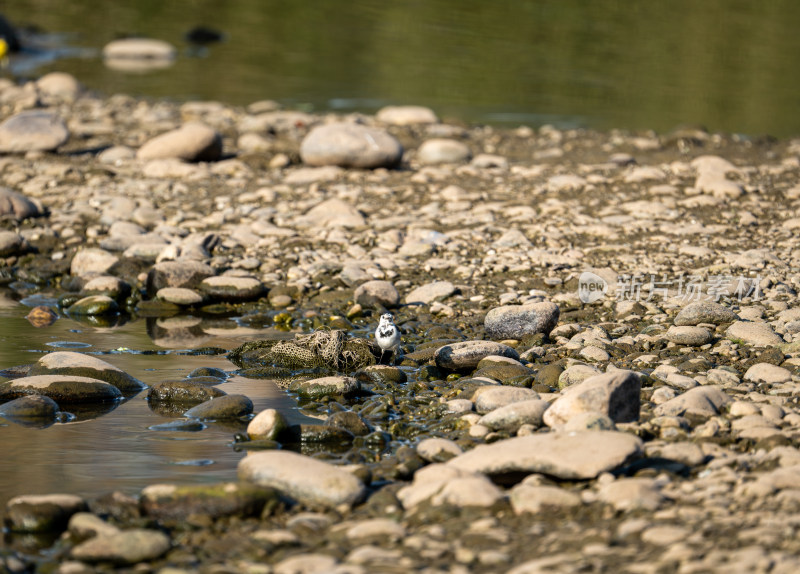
x=125, y=445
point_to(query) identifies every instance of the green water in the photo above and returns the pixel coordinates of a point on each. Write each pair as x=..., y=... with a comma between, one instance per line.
x=728, y=65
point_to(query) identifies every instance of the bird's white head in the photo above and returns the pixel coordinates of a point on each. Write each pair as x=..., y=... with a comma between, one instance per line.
x=387, y=319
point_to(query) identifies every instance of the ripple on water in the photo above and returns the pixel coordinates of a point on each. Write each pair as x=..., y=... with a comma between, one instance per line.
x=196, y=462
x=68, y=344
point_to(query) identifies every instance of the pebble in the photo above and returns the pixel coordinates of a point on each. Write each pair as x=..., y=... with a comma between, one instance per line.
x=182, y=393
x=92, y=261
x=615, y=394
x=438, y=449
x=467, y=354
x=29, y=407
x=191, y=142
x=221, y=408
x=332, y=213
x=443, y=484
x=61, y=388
x=430, y=292
x=350, y=145
x=690, y=336
x=94, y=305
x=753, y=333
x=327, y=387
x=517, y=321
x=512, y=416
x=170, y=502
x=305, y=479
x=180, y=296
x=490, y=398
x=34, y=130
x=80, y=364
x=59, y=86
x=566, y=456
x=16, y=206
x=441, y=150
x=139, y=48
x=231, y=289
x=267, y=425
x=700, y=401
x=632, y=494
x=767, y=373
x=535, y=498
x=184, y=274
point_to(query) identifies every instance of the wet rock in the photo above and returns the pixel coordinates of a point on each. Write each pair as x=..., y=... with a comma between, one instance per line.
x=41, y=316
x=30, y=407
x=80, y=364
x=34, y=130
x=430, y=292
x=567, y=456
x=185, y=274
x=191, y=142
x=502, y=371
x=232, y=289
x=94, y=305
x=406, y=115
x=467, y=354
x=767, y=373
x=42, y=512
x=178, y=503
x=377, y=294
x=440, y=150
x=326, y=387
x=180, y=296
x=690, y=336
x=182, y=392
x=491, y=397
x=350, y=145
x=753, y=333
x=349, y=421
x=221, y=408
x=139, y=49
x=443, y=484
x=305, y=479
x=438, y=449
x=92, y=261
x=615, y=394
x=512, y=416
x=517, y=321
x=321, y=434
x=269, y=424
x=108, y=285
x=701, y=401
x=61, y=388
x=16, y=206
x=535, y=498
x=126, y=547
x=704, y=312
x=383, y=374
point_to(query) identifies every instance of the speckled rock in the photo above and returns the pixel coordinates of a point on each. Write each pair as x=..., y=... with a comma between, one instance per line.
x=34, y=130
x=467, y=354
x=61, y=388
x=191, y=142
x=305, y=479
x=567, y=456
x=71, y=363
x=350, y=145
x=516, y=321
x=326, y=387
x=221, y=408
x=704, y=312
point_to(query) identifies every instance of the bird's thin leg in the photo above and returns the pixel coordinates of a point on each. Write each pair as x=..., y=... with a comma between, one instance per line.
x=382, y=352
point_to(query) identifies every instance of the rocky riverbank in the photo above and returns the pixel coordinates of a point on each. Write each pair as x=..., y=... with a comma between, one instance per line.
x=600, y=336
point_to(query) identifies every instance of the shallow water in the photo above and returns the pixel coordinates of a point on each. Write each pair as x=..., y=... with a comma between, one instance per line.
x=119, y=450
x=729, y=65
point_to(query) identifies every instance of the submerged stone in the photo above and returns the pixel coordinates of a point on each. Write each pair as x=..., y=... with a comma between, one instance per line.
x=61, y=388
x=80, y=364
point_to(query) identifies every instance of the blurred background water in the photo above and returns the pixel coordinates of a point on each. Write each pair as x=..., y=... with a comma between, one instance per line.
x=727, y=65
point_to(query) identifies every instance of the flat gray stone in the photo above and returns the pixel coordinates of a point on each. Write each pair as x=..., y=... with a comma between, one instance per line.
x=688, y=335
x=34, y=130
x=430, y=292
x=232, y=289
x=567, y=456
x=305, y=479
x=71, y=363
x=516, y=321
x=704, y=312
x=350, y=145
x=61, y=388
x=768, y=373
x=467, y=354
x=125, y=547
x=512, y=416
x=753, y=333
x=615, y=394
x=492, y=397
x=180, y=296
x=377, y=294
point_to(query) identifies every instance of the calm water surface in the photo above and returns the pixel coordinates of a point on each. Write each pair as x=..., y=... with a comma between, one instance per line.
x=118, y=450
x=729, y=65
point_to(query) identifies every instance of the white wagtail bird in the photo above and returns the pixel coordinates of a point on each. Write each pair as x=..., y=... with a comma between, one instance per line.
x=387, y=335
